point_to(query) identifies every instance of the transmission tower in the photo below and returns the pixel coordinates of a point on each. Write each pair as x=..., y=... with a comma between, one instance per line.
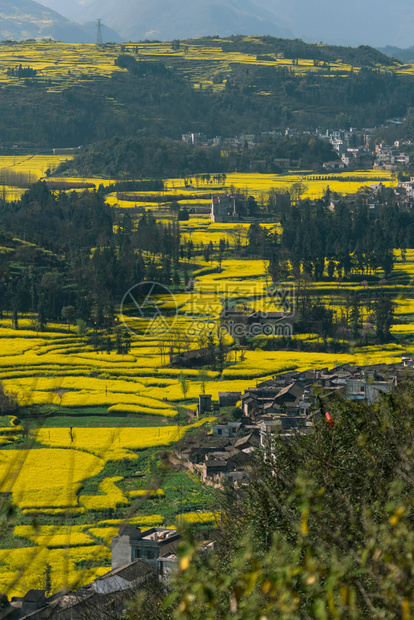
x=99, y=40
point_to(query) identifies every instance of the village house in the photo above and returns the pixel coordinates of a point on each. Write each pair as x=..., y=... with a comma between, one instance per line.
x=338, y=164
x=132, y=544
x=228, y=399
x=226, y=430
x=223, y=209
x=408, y=186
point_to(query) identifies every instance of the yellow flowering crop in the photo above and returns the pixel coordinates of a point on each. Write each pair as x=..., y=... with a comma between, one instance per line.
x=47, y=478
x=112, y=444
x=104, y=533
x=64, y=511
x=127, y=408
x=111, y=497
x=149, y=521
x=24, y=569
x=145, y=493
x=199, y=517
x=55, y=536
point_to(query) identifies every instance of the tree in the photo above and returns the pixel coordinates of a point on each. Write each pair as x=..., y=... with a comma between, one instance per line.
x=297, y=190
x=184, y=383
x=222, y=247
x=176, y=279
x=122, y=341
x=69, y=314
x=202, y=378
x=211, y=350
x=384, y=317
x=183, y=215
x=252, y=206
x=81, y=328
x=41, y=312
x=47, y=580
x=355, y=317
x=174, y=207
x=8, y=402
x=221, y=353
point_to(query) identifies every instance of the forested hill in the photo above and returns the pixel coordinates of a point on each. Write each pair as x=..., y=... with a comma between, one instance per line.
x=67, y=95
x=361, y=56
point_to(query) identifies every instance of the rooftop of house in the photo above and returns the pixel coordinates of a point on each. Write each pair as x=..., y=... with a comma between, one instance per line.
x=156, y=534
x=215, y=464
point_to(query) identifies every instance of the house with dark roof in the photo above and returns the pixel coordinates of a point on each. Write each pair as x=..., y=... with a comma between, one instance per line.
x=223, y=209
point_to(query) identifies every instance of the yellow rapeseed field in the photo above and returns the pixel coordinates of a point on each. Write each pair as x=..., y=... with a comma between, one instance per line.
x=48, y=478
x=57, y=368
x=111, y=497
x=146, y=493
x=112, y=444
x=55, y=535
x=258, y=185
x=24, y=569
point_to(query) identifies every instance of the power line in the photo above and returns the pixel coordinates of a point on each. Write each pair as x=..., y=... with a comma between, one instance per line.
x=99, y=40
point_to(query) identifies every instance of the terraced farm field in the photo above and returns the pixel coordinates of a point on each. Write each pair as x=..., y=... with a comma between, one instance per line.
x=59, y=65
x=104, y=417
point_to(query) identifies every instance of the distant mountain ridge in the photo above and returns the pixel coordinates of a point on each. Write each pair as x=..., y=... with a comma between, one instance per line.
x=405, y=55
x=354, y=22
x=27, y=19
x=177, y=19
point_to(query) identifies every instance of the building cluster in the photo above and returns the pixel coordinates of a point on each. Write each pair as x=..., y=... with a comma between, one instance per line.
x=390, y=157
x=200, y=139
x=287, y=405
x=408, y=186
x=351, y=145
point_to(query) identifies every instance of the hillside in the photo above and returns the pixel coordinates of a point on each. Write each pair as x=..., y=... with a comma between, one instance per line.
x=27, y=19
x=70, y=95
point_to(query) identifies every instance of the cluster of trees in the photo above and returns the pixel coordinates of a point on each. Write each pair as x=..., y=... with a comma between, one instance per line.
x=354, y=319
x=359, y=98
x=354, y=237
x=21, y=71
x=142, y=157
x=149, y=185
x=363, y=56
x=145, y=157
x=142, y=67
x=54, y=272
x=59, y=222
x=347, y=239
